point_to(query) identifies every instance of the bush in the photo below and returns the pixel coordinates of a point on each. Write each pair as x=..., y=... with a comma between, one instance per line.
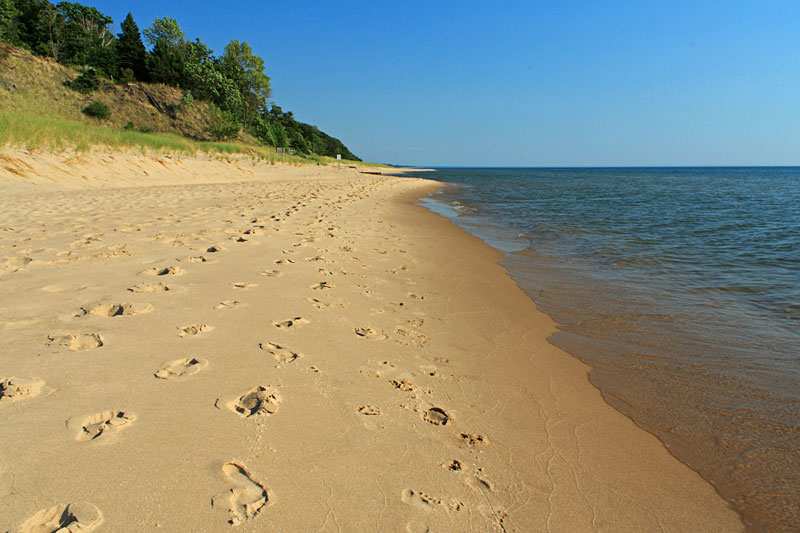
x=97, y=110
x=126, y=75
x=224, y=126
x=145, y=129
x=129, y=126
x=187, y=100
x=85, y=83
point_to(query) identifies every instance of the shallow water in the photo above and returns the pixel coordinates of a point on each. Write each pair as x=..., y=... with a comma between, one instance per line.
x=681, y=288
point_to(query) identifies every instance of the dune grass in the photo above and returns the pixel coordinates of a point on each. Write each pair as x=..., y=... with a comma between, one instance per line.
x=57, y=134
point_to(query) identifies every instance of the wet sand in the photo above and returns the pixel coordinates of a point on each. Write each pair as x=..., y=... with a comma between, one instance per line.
x=225, y=344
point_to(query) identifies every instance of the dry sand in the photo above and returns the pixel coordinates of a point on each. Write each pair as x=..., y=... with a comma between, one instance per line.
x=219, y=345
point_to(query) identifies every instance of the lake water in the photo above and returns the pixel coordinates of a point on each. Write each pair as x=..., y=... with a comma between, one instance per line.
x=681, y=288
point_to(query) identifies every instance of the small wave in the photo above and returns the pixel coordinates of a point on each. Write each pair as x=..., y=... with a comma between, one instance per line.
x=462, y=209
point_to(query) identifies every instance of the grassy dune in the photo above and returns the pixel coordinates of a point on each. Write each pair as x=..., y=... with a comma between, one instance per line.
x=38, y=112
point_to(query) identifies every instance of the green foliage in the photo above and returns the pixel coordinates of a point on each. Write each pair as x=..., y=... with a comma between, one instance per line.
x=126, y=75
x=224, y=126
x=235, y=82
x=165, y=64
x=86, y=83
x=144, y=129
x=164, y=29
x=85, y=38
x=97, y=109
x=131, y=54
x=8, y=26
x=302, y=137
x=187, y=100
x=128, y=126
x=246, y=71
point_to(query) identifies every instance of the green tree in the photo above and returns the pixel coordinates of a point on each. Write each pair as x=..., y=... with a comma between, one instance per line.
x=246, y=71
x=9, y=15
x=165, y=29
x=86, y=37
x=131, y=53
x=47, y=31
x=165, y=64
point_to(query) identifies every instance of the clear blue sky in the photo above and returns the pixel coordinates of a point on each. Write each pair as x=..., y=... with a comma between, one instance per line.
x=526, y=83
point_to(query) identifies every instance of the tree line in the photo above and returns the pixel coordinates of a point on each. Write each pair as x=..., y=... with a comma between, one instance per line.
x=234, y=82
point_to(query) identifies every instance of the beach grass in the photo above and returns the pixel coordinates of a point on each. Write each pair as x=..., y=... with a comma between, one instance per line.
x=51, y=133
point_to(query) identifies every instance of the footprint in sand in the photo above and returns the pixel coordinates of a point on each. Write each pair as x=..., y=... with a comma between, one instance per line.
x=197, y=259
x=272, y=273
x=245, y=499
x=149, y=287
x=77, y=342
x=322, y=285
x=164, y=271
x=474, y=441
x=112, y=310
x=194, y=329
x=402, y=385
x=215, y=249
x=295, y=322
x=409, y=336
x=421, y=500
x=102, y=427
x=429, y=503
x=453, y=466
x=13, y=264
x=377, y=370
x=369, y=410
x=493, y=508
x=259, y=401
x=16, y=389
x=180, y=368
x=228, y=304
x=243, y=285
x=371, y=334
x=319, y=304
x=436, y=416
x=284, y=262
x=72, y=517
x=415, y=296
x=282, y=354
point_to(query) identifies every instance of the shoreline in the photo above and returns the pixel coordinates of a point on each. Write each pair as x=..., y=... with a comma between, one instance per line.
x=421, y=391
x=674, y=345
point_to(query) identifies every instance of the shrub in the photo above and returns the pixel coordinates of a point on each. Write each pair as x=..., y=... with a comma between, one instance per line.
x=145, y=129
x=224, y=126
x=126, y=75
x=97, y=110
x=85, y=83
x=129, y=126
x=187, y=100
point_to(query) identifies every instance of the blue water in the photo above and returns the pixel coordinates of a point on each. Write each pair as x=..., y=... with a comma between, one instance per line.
x=681, y=288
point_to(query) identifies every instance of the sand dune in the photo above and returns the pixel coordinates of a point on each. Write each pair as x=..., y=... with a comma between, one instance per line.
x=198, y=345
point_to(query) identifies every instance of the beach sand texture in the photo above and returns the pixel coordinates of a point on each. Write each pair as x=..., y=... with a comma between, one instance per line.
x=223, y=345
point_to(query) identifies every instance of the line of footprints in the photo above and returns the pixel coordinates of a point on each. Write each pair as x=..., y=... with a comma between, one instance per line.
x=247, y=496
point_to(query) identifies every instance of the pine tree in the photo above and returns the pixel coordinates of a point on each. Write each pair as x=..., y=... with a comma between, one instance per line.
x=130, y=49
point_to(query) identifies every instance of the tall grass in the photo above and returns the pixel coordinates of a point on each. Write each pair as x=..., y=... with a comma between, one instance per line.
x=55, y=133
x=52, y=133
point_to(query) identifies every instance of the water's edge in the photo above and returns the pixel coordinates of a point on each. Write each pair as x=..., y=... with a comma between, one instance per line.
x=447, y=211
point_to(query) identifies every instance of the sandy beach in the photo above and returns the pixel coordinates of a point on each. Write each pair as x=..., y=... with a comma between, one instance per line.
x=209, y=345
